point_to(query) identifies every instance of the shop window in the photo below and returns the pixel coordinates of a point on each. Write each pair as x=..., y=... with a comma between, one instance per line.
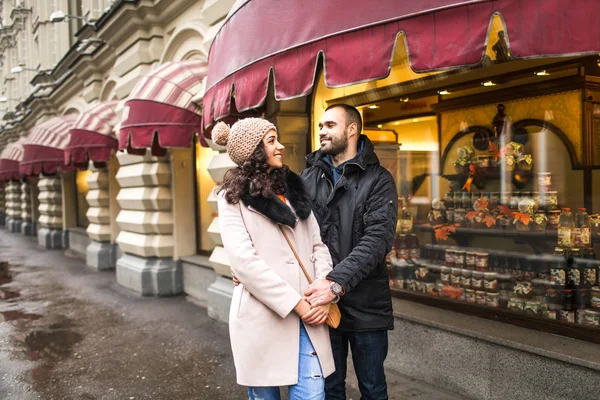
x=82, y=204
x=498, y=185
x=204, y=186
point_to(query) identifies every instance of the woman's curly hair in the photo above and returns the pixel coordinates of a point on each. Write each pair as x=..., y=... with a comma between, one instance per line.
x=253, y=177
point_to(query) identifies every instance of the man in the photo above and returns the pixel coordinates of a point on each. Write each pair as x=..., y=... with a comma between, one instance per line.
x=356, y=204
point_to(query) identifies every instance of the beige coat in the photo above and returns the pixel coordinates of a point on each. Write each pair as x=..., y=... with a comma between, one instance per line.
x=263, y=327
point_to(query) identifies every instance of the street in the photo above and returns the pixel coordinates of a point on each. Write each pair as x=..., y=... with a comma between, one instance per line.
x=68, y=332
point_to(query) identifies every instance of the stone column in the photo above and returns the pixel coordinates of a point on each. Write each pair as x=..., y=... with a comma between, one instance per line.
x=221, y=291
x=146, y=222
x=101, y=253
x=2, y=206
x=50, y=221
x=13, y=207
x=26, y=215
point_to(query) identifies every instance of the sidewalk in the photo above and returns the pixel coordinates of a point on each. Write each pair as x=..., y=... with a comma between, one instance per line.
x=68, y=332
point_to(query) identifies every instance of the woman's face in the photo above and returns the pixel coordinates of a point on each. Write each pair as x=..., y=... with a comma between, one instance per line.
x=274, y=150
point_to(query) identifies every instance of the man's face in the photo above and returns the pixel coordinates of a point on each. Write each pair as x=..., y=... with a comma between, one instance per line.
x=333, y=132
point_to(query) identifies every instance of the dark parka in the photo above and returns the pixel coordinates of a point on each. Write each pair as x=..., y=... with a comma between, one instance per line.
x=358, y=219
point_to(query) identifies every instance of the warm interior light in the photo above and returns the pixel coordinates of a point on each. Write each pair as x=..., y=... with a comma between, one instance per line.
x=541, y=73
x=373, y=106
x=404, y=99
x=488, y=83
x=415, y=119
x=396, y=123
x=444, y=92
x=380, y=126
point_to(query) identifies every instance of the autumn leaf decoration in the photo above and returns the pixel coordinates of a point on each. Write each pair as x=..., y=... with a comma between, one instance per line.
x=442, y=232
x=503, y=211
x=471, y=215
x=524, y=218
x=467, y=185
x=489, y=221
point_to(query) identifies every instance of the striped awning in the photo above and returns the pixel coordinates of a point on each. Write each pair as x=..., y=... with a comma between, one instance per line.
x=160, y=112
x=92, y=137
x=10, y=158
x=284, y=39
x=44, y=148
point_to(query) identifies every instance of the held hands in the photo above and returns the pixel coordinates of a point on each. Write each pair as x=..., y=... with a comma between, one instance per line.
x=315, y=311
x=319, y=293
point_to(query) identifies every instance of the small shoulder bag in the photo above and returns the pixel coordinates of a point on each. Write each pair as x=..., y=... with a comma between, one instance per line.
x=334, y=317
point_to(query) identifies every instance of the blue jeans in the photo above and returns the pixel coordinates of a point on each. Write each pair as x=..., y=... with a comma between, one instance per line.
x=369, y=350
x=311, y=384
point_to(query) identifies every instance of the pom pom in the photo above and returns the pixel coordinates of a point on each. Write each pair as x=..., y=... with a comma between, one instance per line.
x=220, y=134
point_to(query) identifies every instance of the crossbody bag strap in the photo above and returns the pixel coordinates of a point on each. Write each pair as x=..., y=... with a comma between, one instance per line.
x=287, y=239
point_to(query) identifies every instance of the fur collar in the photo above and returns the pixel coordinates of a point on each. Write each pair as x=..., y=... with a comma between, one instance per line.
x=278, y=212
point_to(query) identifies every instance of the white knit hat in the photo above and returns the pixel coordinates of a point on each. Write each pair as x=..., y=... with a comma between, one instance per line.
x=242, y=138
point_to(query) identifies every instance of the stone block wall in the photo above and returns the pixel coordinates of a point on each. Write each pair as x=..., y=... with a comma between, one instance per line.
x=2, y=205
x=13, y=207
x=51, y=214
x=146, y=223
x=26, y=212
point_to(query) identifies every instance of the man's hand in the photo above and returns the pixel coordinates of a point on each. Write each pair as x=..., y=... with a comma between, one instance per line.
x=317, y=315
x=319, y=293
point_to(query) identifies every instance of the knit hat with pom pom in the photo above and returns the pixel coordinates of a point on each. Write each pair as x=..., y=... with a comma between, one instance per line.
x=243, y=137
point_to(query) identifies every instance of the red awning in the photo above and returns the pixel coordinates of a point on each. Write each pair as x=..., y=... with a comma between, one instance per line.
x=10, y=158
x=160, y=112
x=44, y=148
x=92, y=136
x=357, y=39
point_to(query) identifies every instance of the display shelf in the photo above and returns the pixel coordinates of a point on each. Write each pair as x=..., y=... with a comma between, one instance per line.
x=575, y=331
x=494, y=232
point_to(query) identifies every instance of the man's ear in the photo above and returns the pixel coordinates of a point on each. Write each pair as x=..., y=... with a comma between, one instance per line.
x=352, y=129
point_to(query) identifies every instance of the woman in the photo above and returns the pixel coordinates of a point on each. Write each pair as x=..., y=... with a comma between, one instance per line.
x=276, y=337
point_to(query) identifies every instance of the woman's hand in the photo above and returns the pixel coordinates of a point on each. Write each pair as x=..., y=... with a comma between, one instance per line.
x=317, y=315
x=302, y=308
x=234, y=278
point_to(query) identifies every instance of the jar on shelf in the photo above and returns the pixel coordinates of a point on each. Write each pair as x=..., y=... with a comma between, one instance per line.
x=460, y=215
x=540, y=221
x=470, y=295
x=595, y=222
x=481, y=261
x=595, y=298
x=459, y=258
x=514, y=201
x=470, y=259
x=592, y=318
x=515, y=304
x=490, y=281
x=445, y=275
x=449, y=200
x=457, y=199
x=466, y=200
x=465, y=280
x=480, y=297
x=477, y=280
x=449, y=258
x=450, y=215
x=558, y=271
x=474, y=197
x=494, y=200
x=551, y=200
x=553, y=219
x=544, y=181
x=455, y=276
x=527, y=205
x=492, y=299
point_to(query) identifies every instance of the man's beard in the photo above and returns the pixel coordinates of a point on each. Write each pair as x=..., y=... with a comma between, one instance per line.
x=336, y=146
